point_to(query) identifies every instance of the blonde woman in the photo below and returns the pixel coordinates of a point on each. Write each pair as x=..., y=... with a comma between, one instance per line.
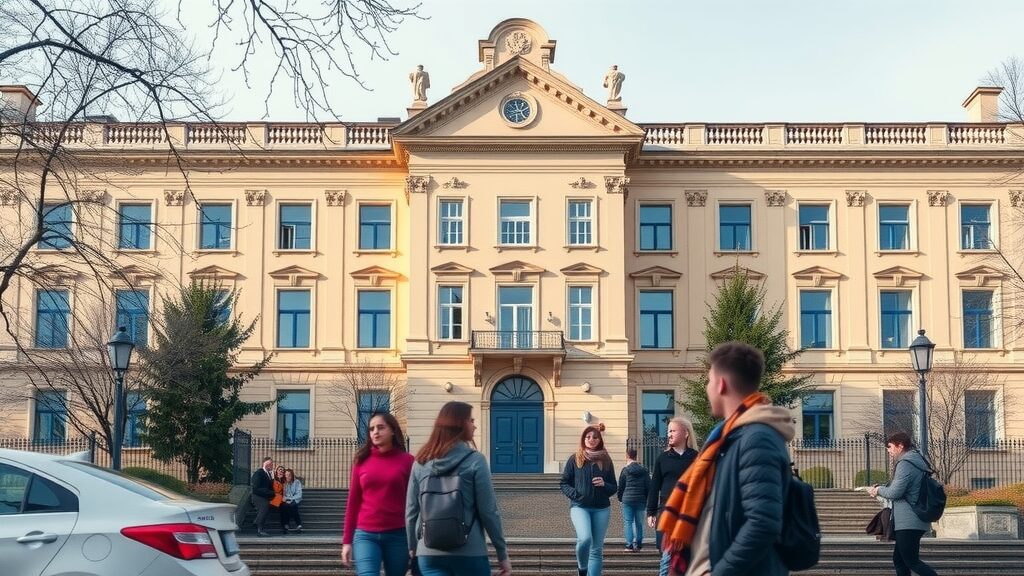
x=668, y=468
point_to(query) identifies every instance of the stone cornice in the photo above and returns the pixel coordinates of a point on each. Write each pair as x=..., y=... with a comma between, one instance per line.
x=119, y=159
x=825, y=159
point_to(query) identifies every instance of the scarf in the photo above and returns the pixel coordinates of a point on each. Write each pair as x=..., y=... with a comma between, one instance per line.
x=683, y=508
x=599, y=457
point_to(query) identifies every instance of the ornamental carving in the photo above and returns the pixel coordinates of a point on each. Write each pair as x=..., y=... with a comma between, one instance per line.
x=775, y=198
x=335, y=197
x=856, y=198
x=9, y=197
x=92, y=196
x=1017, y=198
x=255, y=197
x=617, y=184
x=454, y=183
x=174, y=197
x=937, y=197
x=519, y=43
x=416, y=184
x=582, y=184
x=696, y=198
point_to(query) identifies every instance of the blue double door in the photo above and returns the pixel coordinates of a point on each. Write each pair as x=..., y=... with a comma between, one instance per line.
x=517, y=427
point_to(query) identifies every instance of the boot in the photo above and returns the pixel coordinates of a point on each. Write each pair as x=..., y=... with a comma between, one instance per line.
x=583, y=571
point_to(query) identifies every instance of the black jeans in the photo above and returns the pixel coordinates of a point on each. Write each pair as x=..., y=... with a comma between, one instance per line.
x=290, y=511
x=906, y=555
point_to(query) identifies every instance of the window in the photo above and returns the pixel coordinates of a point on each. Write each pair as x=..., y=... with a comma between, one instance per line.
x=983, y=483
x=975, y=227
x=980, y=410
x=374, y=227
x=133, y=314
x=656, y=319
x=24, y=493
x=135, y=225
x=515, y=222
x=374, y=319
x=815, y=319
x=818, y=418
x=296, y=232
x=51, y=416
x=657, y=408
x=52, y=311
x=978, y=324
x=222, y=307
x=734, y=227
x=581, y=313
x=656, y=227
x=450, y=312
x=896, y=317
x=813, y=226
x=57, y=220
x=135, y=405
x=898, y=412
x=293, y=418
x=293, y=312
x=894, y=227
x=452, y=223
x=581, y=223
x=14, y=482
x=215, y=226
x=371, y=402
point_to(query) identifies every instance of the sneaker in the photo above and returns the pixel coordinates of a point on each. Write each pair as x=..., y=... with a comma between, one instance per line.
x=298, y=528
x=262, y=534
x=629, y=548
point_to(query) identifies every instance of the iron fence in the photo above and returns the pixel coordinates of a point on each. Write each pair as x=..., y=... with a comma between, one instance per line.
x=98, y=453
x=320, y=462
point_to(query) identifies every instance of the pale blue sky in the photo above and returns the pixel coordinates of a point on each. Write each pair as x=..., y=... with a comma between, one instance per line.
x=721, y=61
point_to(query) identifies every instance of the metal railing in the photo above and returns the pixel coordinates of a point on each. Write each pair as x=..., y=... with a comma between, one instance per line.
x=518, y=340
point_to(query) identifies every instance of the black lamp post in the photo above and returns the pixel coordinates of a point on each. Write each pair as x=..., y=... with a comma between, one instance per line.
x=921, y=356
x=119, y=349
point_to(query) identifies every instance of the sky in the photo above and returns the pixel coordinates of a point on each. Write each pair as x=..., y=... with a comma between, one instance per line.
x=689, y=61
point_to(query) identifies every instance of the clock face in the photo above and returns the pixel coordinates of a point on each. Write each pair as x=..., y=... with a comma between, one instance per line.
x=516, y=110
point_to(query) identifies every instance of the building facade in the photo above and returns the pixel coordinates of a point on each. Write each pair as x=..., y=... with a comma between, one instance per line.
x=524, y=247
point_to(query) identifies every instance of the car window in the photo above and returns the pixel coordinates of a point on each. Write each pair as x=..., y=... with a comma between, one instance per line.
x=13, y=485
x=45, y=496
x=134, y=485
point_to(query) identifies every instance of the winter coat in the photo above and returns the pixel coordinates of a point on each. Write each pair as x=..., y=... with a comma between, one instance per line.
x=578, y=484
x=669, y=466
x=904, y=489
x=634, y=484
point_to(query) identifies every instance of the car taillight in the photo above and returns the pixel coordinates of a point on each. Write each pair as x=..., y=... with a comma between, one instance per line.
x=185, y=541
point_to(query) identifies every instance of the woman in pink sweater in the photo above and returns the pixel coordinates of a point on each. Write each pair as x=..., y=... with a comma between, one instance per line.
x=374, y=531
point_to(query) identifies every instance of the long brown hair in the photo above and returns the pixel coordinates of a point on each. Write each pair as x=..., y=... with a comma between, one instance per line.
x=397, y=440
x=449, y=429
x=581, y=452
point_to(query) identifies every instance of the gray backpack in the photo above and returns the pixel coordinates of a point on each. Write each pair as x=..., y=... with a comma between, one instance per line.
x=442, y=513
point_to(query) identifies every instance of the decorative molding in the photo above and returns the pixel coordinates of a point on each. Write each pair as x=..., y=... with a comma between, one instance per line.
x=9, y=197
x=213, y=272
x=1017, y=198
x=174, y=197
x=582, y=270
x=519, y=43
x=452, y=269
x=734, y=271
x=817, y=275
x=375, y=275
x=980, y=275
x=55, y=275
x=517, y=270
x=134, y=275
x=938, y=197
x=255, y=197
x=582, y=184
x=856, y=198
x=416, y=184
x=336, y=197
x=94, y=196
x=617, y=184
x=556, y=371
x=898, y=275
x=454, y=183
x=696, y=198
x=294, y=275
x=656, y=274
x=775, y=198
x=478, y=371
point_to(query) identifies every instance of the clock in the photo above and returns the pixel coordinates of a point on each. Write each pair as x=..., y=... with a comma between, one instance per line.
x=518, y=109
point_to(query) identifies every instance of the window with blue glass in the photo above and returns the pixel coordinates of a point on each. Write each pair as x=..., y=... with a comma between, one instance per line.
x=581, y=223
x=293, y=417
x=657, y=408
x=734, y=227
x=975, y=227
x=293, y=311
x=815, y=319
x=813, y=227
x=371, y=402
x=135, y=407
x=656, y=319
x=374, y=319
x=222, y=307
x=452, y=224
x=581, y=313
x=978, y=319
x=655, y=226
x=981, y=418
x=133, y=314
x=51, y=416
x=57, y=219
x=52, y=312
x=135, y=224
x=896, y=318
x=215, y=227
x=374, y=227
x=894, y=227
x=818, y=418
x=296, y=227
x=450, y=312
x=515, y=222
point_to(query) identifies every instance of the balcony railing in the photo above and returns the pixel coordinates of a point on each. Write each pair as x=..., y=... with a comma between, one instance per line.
x=518, y=340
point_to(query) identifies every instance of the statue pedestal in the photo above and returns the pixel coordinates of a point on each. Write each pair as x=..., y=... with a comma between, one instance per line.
x=618, y=107
x=417, y=107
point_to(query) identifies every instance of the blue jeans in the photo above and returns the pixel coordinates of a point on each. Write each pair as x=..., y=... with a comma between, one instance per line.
x=665, y=558
x=454, y=565
x=590, y=524
x=634, y=516
x=370, y=549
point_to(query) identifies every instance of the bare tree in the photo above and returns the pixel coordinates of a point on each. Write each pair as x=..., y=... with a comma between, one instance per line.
x=367, y=387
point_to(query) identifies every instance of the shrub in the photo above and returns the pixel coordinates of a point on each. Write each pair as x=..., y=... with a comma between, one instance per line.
x=1011, y=495
x=818, y=477
x=210, y=488
x=159, y=478
x=877, y=477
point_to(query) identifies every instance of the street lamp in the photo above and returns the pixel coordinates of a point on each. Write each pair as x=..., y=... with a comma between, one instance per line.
x=921, y=357
x=119, y=350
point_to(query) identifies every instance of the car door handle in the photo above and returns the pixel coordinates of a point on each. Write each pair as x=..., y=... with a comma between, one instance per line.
x=36, y=536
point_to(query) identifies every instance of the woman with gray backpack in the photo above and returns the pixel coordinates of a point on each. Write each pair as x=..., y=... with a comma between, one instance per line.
x=451, y=502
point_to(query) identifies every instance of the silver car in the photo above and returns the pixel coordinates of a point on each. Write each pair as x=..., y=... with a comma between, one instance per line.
x=62, y=515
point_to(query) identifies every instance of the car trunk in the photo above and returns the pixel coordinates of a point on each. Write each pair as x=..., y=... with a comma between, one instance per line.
x=218, y=518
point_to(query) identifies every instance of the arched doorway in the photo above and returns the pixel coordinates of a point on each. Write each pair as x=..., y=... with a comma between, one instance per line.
x=517, y=426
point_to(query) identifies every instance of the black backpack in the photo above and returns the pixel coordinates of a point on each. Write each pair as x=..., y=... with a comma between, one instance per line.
x=442, y=515
x=931, y=496
x=799, y=545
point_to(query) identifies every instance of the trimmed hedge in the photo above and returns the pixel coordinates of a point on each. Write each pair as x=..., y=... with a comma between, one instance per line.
x=877, y=477
x=818, y=477
x=160, y=479
x=1011, y=495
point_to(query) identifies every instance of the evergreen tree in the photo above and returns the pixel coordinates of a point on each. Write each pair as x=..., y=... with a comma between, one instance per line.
x=739, y=313
x=192, y=390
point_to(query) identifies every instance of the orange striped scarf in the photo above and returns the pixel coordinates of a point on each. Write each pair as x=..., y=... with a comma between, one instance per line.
x=683, y=508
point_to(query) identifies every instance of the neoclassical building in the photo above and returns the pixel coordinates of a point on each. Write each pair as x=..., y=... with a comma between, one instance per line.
x=523, y=246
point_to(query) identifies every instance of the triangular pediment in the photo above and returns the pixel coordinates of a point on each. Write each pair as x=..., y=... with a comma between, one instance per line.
x=54, y=274
x=517, y=269
x=213, y=272
x=895, y=271
x=655, y=271
x=375, y=275
x=452, y=269
x=133, y=274
x=734, y=271
x=980, y=275
x=819, y=271
x=582, y=269
x=294, y=275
